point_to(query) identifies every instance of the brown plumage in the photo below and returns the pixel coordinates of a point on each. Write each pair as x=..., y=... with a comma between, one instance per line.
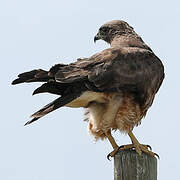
x=116, y=86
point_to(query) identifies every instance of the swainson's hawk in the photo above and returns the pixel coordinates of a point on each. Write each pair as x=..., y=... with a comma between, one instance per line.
x=116, y=86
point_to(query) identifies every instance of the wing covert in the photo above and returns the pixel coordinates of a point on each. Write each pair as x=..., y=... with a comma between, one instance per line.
x=133, y=69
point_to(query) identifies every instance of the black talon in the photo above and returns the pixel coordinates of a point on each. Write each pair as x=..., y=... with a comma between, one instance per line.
x=157, y=155
x=122, y=146
x=149, y=147
x=108, y=157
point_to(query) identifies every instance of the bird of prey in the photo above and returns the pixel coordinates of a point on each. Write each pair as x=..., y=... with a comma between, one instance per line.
x=116, y=86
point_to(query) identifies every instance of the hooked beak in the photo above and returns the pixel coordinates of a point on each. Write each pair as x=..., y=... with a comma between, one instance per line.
x=97, y=37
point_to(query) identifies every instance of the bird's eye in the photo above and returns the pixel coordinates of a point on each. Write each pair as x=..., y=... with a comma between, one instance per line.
x=104, y=29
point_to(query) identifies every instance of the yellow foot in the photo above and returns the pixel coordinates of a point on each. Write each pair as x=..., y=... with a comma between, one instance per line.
x=139, y=148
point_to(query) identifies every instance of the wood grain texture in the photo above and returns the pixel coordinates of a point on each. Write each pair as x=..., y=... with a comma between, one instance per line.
x=128, y=165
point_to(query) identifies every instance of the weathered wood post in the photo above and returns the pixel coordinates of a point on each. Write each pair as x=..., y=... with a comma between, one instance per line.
x=128, y=165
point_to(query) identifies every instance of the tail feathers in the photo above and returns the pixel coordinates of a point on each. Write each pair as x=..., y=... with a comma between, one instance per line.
x=32, y=76
x=59, y=102
x=51, y=87
x=31, y=121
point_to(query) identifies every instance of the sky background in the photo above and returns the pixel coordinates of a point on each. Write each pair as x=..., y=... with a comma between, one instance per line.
x=40, y=33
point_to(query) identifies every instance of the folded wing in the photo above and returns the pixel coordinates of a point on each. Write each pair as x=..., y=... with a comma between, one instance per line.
x=133, y=70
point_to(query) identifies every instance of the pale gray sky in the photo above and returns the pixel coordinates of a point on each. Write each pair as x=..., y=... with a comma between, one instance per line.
x=40, y=33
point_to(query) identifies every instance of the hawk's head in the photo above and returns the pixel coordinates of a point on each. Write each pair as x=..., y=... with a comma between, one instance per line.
x=110, y=29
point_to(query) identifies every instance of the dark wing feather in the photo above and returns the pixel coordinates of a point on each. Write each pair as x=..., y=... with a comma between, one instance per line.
x=114, y=69
x=57, y=103
x=80, y=70
x=130, y=69
x=32, y=76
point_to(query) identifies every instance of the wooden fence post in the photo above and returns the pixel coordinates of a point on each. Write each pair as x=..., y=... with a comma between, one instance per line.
x=128, y=165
